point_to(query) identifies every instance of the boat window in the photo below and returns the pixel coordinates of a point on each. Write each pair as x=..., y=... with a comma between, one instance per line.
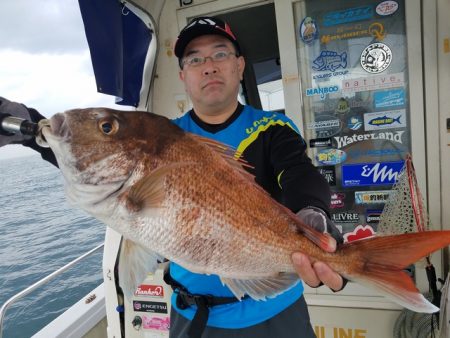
x=270, y=86
x=256, y=31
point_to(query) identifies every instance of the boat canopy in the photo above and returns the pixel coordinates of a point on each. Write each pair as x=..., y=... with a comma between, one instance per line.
x=119, y=38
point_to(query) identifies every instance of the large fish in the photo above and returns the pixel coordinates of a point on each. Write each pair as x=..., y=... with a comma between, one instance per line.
x=188, y=199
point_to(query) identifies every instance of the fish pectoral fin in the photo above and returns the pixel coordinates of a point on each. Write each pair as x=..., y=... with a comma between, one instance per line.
x=149, y=191
x=135, y=262
x=260, y=289
x=323, y=240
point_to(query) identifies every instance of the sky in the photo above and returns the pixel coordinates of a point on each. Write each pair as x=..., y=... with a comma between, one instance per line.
x=45, y=61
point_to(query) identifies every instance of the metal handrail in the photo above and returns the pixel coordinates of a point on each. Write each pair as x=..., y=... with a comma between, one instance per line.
x=44, y=280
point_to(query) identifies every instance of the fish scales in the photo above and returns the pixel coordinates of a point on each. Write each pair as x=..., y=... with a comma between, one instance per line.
x=222, y=210
x=233, y=203
x=182, y=197
x=202, y=236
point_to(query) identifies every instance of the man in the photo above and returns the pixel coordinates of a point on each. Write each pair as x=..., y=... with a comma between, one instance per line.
x=211, y=68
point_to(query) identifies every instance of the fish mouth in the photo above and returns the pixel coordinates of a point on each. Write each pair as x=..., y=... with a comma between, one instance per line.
x=43, y=130
x=51, y=129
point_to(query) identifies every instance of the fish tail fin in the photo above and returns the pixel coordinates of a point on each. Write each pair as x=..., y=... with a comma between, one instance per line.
x=380, y=261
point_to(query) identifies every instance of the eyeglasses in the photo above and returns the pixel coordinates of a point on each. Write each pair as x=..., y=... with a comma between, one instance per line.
x=218, y=56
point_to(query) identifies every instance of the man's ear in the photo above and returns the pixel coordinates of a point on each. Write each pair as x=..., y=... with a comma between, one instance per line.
x=181, y=75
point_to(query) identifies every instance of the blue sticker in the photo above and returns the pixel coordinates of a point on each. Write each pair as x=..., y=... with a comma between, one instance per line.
x=348, y=15
x=331, y=156
x=370, y=174
x=308, y=30
x=389, y=98
x=321, y=91
x=354, y=123
x=355, y=154
x=329, y=60
x=385, y=120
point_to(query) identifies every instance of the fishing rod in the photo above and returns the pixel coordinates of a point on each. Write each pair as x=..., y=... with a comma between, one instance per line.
x=10, y=125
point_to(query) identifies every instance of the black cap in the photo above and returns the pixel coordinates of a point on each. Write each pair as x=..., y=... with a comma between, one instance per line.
x=204, y=25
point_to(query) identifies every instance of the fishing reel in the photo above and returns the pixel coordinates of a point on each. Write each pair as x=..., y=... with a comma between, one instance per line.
x=10, y=125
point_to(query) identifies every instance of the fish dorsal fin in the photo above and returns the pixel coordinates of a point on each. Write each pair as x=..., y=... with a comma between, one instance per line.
x=149, y=191
x=260, y=289
x=135, y=262
x=228, y=153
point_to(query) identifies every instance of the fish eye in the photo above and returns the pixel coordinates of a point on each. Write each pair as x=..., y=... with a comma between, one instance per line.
x=108, y=126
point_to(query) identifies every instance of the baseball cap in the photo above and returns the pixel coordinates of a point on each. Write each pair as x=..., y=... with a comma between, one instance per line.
x=203, y=25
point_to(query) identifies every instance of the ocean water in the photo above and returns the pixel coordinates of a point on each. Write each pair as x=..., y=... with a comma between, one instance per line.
x=39, y=233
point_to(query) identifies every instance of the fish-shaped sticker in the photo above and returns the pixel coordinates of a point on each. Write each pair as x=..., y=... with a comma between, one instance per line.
x=384, y=120
x=329, y=60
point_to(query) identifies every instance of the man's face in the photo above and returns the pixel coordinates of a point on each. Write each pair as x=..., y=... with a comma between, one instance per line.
x=212, y=85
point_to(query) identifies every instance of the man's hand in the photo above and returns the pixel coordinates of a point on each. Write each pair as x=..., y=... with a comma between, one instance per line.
x=317, y=219
x=17, y=110
x=318, y=273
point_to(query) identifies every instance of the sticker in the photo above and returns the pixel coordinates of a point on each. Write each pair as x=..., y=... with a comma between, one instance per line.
x=329, y=173
x=156, y=323
x=329, y=60
x=372, y=197
x=324, y=76
x=389, y=98
x=360, y=232
x=345, y=217
x=308, y=30
x=385, y=120
x=320, y=142
x=331, y=156
x=342, y=104
x=337, y=200
x=369, y=174
x=343, y=141
x=354, y=123
x=358, y=153
x=347, y=15
x=154, y=307
x=386, y=8
x=325, y=126
x=324, y=122
x=342, y=107
x=376, y=58
x=150, y=290
x=375, y=30
x=321, y=91
x=363, y=84
x=373, y=216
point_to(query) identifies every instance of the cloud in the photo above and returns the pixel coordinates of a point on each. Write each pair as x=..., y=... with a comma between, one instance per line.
x=45, y=61
x=50, y=26
x=48, y=82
